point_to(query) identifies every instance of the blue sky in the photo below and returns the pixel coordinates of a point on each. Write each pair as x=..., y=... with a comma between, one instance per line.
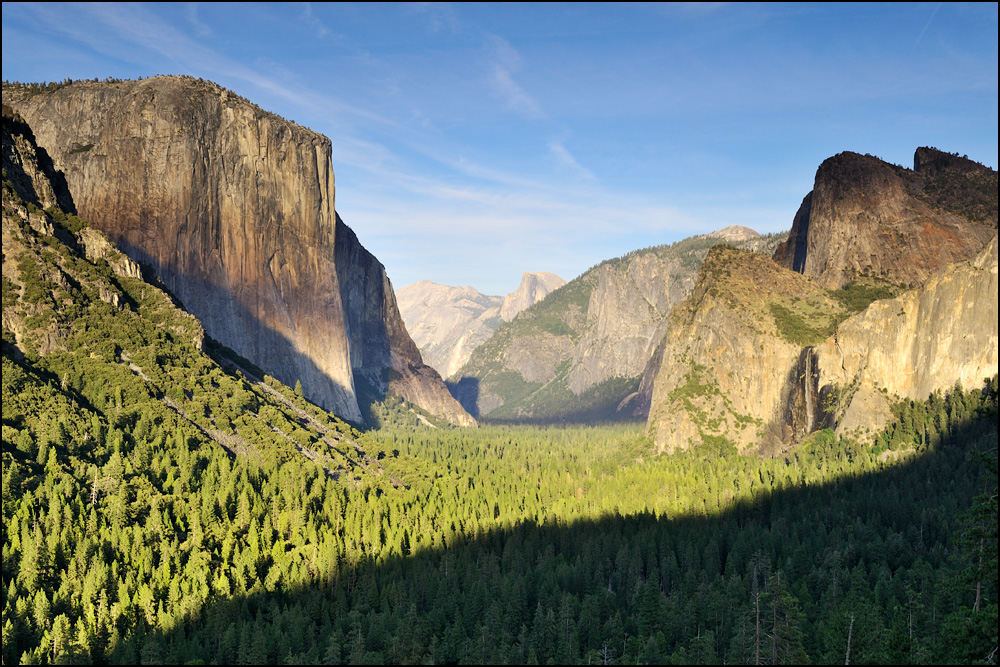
x=474, y=142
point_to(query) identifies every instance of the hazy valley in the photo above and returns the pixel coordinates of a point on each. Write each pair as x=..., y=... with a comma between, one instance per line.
x=228, y=439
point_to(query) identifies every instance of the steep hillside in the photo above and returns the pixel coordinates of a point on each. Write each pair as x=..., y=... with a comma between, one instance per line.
x=233, y=209
x=865, y=217
x=97, y=361
x=580, y=352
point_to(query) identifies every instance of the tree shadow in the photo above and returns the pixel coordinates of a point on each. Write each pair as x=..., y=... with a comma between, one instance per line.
x=875, y=549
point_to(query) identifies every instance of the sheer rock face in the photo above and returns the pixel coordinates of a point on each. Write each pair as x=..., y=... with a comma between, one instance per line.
x=923, y=341
x=626, y=318
x=232, y=207
x=447, y=323
x=382, y=351
x=533, y=288
x=867, y=217
x=726, y=368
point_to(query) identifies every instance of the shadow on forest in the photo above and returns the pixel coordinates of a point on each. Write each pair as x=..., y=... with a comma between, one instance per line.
x=638, y=588
x=466, y=392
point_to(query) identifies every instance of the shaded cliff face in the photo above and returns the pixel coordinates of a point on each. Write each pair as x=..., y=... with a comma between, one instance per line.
x=46, y=294
x=232, y=207
x=383, y=356
x=924, y=340
x=731, y=367
x=579, y=353
x=866, y=217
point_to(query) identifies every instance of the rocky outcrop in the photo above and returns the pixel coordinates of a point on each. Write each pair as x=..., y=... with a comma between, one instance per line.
x=383, y=356
x=579, y=353
x=925, y=340
x=534, y=287
x=40, y=285
x=867, y=218
x=233, y=209
x=29, y=167
x=728, y=372
x=447, y=323
x=760, y=355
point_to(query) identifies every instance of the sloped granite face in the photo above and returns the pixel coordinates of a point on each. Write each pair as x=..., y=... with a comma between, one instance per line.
x=923, y=341
x=725, y=371
x=232, y=207
x=533, y=288
x=865, y=217
x=449, y=323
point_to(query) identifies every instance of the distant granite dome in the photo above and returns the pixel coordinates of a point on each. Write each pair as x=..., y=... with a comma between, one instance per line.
x=533, y=288
x=734, y=234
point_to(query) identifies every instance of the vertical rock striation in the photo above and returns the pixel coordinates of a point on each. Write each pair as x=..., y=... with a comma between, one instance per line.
x=383, y=356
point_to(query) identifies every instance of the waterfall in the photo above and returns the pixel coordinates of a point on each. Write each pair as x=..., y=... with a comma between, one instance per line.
x=808, y=390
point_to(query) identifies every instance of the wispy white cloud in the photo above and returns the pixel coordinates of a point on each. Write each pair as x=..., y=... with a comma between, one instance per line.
x=928, y=24
x=312, y=21
x=565, y=160
x=440, y=16
x=200, y=29
x=505, y=61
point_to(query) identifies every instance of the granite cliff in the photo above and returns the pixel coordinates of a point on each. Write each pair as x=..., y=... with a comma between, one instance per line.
x=534, y=287
x=925, y=340
x=580, y=352
x=447, y=323
x=728, y=370
x=233, y=209
x=868, y=218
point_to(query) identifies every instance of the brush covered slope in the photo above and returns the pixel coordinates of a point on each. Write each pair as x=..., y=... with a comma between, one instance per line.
x=233, y=209
x=95, y=358
x=765, y=353
x=579, y=353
